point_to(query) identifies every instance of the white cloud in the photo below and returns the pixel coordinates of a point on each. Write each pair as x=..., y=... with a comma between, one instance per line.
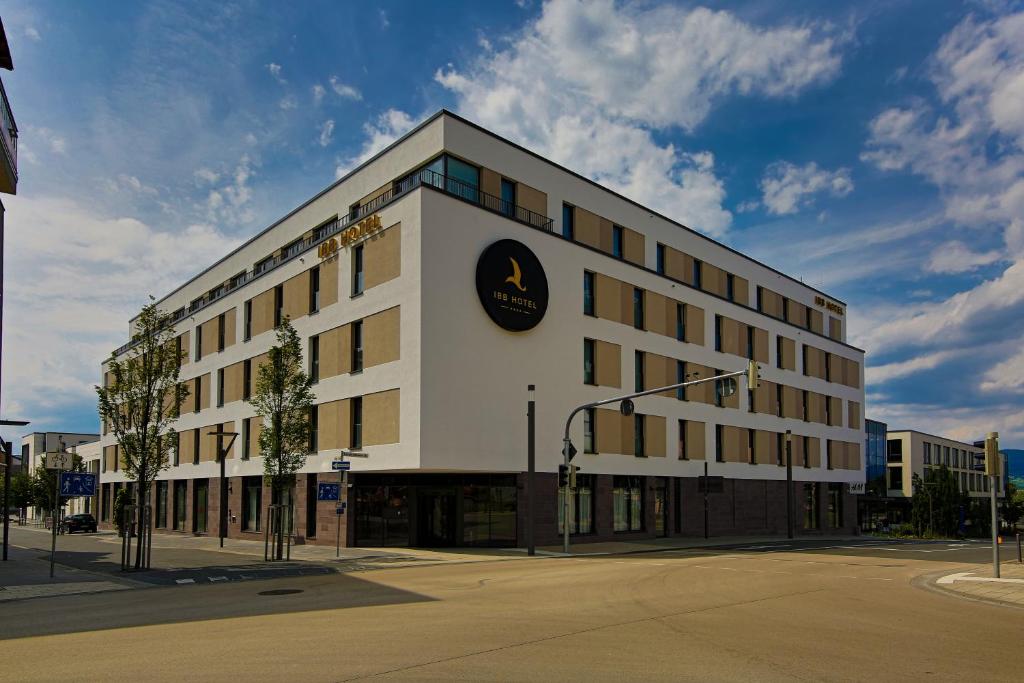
x=32, y=33
x=275, y=72
x=786, y=188
x=326, y=131
x=957, y=257
x=288, y=102
x=1006, y=376
x=588, y=84
x=382, y=16
x=967, y=423
x=230, y=202
x=75, y=278
x=49, y=138
x=318, y=93
x=343, y=90
x=132, y=184
x=388, y=127
x=206, y=175
x=883, y=373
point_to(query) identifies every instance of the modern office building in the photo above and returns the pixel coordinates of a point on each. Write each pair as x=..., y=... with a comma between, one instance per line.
x=911, y=452
x=437, y=281
x=36, y=445
x=875, y=510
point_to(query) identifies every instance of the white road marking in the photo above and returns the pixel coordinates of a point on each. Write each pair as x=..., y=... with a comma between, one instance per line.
x=966, y=576
x=184, y=580
x=218, y=578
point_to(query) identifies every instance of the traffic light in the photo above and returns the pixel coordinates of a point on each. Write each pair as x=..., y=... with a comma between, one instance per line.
x=563, y=476
x=992, y=454
x=753, y=375
x=573, y=469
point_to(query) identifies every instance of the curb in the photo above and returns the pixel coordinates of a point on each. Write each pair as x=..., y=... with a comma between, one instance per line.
x=928, y=582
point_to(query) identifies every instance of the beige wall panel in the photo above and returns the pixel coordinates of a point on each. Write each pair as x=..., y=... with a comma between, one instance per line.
x=734, y=448
x=381, y=418
x=255, y=428
x=695, y=324
x=695, y=446
x=814, y=451
x=763, y=398
x=587, y=228
x=607, y=364
x=730, y=335
x=655, y=434
x=186, y=447
x=208, y=444
x=607, y=295
x=760, y=345
x=626, y=303
x=655, y=316
x=188, y=404
x=235, y=446
x=763, y=451
x=230, y=325
x=633, y=246
x=853, y=456
x=373, y=195
x=797, y=450
x=836, y=368
x=605, y=228
x=234, y=374
x=263, y=312
x=296, y=296
x=608, y=435
x=835, y=328
x=209, y=332
x=531, y=199
x=705, y=393
x=382, y=256
x=852, y=374
x=797, y=314
x=741, y=290
x=853, y=415
x=381, y=335
x=771, y=303
x=675, y=265
x=788, y=354
x=490, y=182
x=791, y=406
x=656, y=370
x=836, y=411
x=186, y=350
x=713, y=279
x=204, y=396
x=329, y=282
x=627, y=433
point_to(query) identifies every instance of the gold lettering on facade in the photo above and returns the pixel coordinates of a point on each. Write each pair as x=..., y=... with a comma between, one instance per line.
x=363, y=228
x=825, y=303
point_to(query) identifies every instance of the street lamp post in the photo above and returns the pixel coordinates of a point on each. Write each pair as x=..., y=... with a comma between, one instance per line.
x=222, y=455
x=8, y=447
x=789, y=483
x=531, y=468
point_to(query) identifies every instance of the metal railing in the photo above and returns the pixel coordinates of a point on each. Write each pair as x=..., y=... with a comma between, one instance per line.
x=10, y=129
x=422, y=178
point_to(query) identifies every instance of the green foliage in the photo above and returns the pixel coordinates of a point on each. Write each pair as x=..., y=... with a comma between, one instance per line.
x=121, y=501
x=936, y=503
x=1011, y=507
x=141, y=400
x=283, y=397
x=21, y=490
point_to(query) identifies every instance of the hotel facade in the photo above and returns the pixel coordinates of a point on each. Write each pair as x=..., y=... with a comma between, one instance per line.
x=431, y=286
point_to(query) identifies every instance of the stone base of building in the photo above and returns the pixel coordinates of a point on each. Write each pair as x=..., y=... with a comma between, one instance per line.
x=490, y=510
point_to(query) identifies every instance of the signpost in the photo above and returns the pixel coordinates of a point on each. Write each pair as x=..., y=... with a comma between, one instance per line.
x=325, y=491
x=77, y=484
x=56, y=461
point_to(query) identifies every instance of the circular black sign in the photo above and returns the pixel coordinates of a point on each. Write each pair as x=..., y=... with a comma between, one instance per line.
x=512, y=286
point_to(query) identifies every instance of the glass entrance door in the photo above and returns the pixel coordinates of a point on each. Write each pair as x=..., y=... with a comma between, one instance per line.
x=199, y=502
x=436, y=518
x=660, y=507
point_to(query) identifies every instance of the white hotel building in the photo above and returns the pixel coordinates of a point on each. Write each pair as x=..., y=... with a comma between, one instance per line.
x=414, y=370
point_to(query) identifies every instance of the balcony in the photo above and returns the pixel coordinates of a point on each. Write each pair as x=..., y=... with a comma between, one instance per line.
x=9, y=174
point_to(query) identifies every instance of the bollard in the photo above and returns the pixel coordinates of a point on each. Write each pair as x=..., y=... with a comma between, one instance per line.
x=1020, y=560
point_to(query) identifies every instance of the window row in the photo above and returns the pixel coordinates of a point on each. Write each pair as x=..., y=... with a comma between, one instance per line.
x=950, y=456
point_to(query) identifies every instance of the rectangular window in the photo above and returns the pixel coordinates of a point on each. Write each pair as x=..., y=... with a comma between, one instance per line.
x=508, y=197
x=828, y=366
x=161, y=504
x=176, y=449
x=638, y=370
x=698, y=268
x=278, y=305
x=247, y=378
x=314, y=424
x=638, y=435
x=807, y=450
x=588, y=361
x=680, y=322
x=780, y=448
x=778, y=400
x=730, y=286
x=680, y=378
x=718, y=333
x=835, y=505
x=356, y=426
x=568, y=221
x=750, y=342
x=719, y=390
x=760, y=299
x=247, y=320
x=463, y=179
x=785, y=309
x=357, y=346
x=638, y=308
x=581, y=506
x=357, y=270
x=828, y=453
x=314, y=358
x=588, y=430
x=314, y=289
x=252, y=503
x=246, y=436
x=588, y=293
x=617, y=241
x=778, y=351
x=221, y=319
x=896, y=478
x=660, y=259
x=220, y=387
x=196, y=440
x=719, y=445
x=828, y=410
x=805, y=397
x=803, y=360
x=627, y=503
x=752, y=455
x=682, y=440
x=199, y=342
x=198, y=384
x=810, y=505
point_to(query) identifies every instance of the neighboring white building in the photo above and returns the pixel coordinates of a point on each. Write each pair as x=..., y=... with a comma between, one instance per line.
x=911, y=452
x=401, y=282
x=36, y=445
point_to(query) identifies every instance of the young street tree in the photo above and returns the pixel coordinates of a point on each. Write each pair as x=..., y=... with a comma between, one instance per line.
x=141, y=400
x=283, y=397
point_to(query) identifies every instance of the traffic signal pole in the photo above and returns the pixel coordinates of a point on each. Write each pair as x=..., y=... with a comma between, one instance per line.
x=751, y=372
x=992, y=472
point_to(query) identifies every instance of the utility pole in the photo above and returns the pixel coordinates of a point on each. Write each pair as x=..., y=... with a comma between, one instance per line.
x=8, y=447
x=531, y=469
x=222, y=455
x=707, y=522
x=992, y=467
x=789, y=483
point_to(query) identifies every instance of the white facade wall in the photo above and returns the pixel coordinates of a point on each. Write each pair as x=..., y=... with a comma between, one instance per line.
x=913, y=445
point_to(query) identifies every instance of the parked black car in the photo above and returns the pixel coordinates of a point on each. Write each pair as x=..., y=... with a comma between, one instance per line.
x=82, y=522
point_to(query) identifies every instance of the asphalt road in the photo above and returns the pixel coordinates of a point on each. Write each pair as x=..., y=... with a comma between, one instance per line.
x=851, y=611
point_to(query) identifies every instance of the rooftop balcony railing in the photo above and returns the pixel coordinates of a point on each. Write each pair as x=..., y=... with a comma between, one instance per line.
x=9, y=135
x=422, y=178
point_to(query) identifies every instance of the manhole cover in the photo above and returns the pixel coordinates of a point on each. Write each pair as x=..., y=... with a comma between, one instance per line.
x=281, y=591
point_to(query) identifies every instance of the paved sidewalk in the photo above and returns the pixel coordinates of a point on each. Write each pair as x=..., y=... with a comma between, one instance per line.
x=26, y=574
x=979, y=583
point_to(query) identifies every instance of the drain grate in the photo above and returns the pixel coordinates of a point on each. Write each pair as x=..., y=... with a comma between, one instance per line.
x=281, y=591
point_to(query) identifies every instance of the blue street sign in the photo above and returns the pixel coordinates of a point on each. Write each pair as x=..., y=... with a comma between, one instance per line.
x=74, y=484
x=340, y=465
x=340, y=509
x=327, y=491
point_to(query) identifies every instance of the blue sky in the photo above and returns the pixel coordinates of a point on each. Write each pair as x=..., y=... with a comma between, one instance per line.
x=874, y=149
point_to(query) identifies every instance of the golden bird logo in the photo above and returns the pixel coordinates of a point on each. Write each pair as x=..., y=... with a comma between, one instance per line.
x=516, y=275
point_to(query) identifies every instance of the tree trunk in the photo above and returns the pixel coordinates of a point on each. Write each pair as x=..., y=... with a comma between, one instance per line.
x=140, y=515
